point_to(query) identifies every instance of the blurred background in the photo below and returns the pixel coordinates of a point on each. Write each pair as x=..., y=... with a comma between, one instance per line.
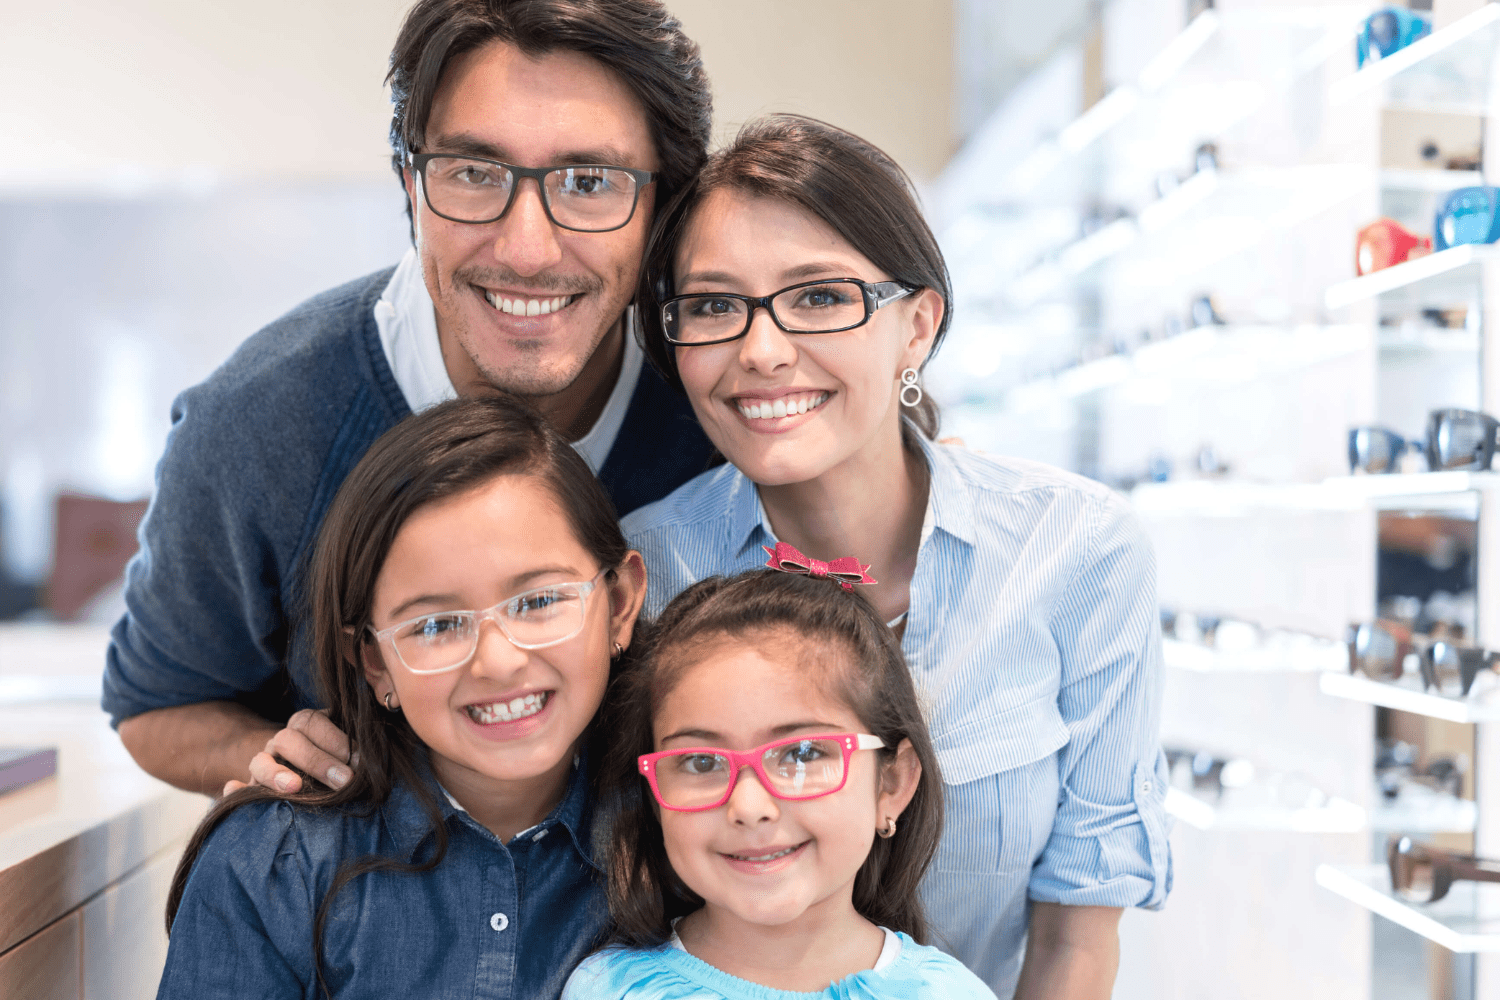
x=1152, y=210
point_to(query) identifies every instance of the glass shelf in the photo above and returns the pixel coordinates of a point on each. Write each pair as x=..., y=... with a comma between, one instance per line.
x=1309, y=658
x=1335, y=816
x=1438, y=279
x=1231, y=498
x=1451, y=70
x=1419, y=809
x=1465, y=920
x=1400, y=179
x=1407, y=696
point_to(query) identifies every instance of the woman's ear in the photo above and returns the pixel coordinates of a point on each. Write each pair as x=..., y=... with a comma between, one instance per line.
x=367, y=655
x=898, y=783
x=627, y=592
x=926, y=315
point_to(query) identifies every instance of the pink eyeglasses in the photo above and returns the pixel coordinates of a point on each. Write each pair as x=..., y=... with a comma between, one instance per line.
x=803, y=767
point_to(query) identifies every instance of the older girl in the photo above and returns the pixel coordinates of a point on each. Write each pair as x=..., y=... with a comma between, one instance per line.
x=795, y=293
x=458, y=861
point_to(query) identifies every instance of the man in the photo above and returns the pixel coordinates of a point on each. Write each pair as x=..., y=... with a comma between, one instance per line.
x=533, y=138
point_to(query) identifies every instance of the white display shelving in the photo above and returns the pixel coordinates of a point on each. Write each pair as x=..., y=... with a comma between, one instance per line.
x=1232, y=498
x=1423, y=810
x=1335, y=816
x=1409, y=697
x=1465, y=920
x=1438, y=278
x=1448, y=71
x=1309, y=658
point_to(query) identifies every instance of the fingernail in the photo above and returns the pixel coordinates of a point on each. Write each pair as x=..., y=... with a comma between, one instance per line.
x=338, y=776
x=285, y=781
x=354, y=759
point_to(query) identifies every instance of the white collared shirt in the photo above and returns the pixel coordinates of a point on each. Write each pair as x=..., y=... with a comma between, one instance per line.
x=409, y=337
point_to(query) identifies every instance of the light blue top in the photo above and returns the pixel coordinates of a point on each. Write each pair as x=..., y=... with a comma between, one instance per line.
x=669, y=973
x=1035, y=642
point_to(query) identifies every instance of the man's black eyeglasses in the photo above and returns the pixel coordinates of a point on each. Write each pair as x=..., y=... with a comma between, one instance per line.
x=584, y=197
x=831, y=305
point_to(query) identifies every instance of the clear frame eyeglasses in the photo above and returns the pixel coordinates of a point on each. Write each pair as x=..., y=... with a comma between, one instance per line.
x=693, y=779
x=831, y=305
x=446, y=640
x=583, y=197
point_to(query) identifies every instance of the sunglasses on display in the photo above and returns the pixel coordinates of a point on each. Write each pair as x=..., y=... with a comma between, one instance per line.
x=1206, y=772
x=803, y=767
x=1449, y=667
x=1422, y=874
x=1388, y=31
x=1457, y=440
x=1396, y=770
x=1467, y=215
x=1385, y=243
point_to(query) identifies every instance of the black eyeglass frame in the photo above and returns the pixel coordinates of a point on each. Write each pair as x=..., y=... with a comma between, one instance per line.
x=876, y=294
x=418, y=163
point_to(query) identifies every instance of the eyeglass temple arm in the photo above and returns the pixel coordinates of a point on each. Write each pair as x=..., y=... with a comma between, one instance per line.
x=1474, y=869
x=885, y=292
x=868, y=742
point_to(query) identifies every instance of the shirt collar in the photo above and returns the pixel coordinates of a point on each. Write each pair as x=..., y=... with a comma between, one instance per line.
x=410, y=825
x=950, y=507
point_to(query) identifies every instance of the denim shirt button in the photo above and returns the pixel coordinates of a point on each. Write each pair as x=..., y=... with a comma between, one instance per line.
x=499, y=922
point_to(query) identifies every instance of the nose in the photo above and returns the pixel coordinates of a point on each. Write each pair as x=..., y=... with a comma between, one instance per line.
x=495, y=656
x=525, y=238
x=766, y=347
x=750, y=803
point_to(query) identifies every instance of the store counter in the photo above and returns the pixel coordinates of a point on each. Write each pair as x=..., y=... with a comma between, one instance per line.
x=86, y=856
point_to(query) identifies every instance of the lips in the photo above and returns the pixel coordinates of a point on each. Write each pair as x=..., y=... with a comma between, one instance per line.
x=515, y=305
x=766, y=861
x=510, y=710
x=790, y=405
x=771, y=856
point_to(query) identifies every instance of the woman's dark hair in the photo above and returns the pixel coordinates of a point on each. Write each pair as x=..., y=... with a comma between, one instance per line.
x=637, y=39
x=436, y=454
x=857, y=190
x=861, y=664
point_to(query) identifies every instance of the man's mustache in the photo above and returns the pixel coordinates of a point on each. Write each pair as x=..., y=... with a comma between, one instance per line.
x=540, y=285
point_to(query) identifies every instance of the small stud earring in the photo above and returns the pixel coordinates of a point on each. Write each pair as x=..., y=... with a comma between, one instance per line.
x=909, y=383
x=889, y=830
x=386, y=701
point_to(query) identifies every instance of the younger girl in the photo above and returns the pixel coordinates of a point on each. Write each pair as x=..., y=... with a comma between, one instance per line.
x=779, y=802
x=457, y=861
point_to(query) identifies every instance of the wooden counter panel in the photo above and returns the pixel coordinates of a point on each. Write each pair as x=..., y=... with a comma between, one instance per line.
x=48, y=966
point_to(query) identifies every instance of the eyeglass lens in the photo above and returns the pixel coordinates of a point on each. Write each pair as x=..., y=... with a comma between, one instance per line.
x=1375, y=652
x=1413, y=872
x=694, y=779
x=536, y=618
x=1375, y=449
x=822, y=308
x=589, y=198
x=1460, y=439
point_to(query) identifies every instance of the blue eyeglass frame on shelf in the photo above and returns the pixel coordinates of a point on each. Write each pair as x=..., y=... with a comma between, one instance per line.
x=1467, y=215
x=1388, y=31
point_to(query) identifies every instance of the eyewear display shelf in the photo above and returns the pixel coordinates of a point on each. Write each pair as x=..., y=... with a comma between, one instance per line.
x=1466, y=920
x=1335, y=816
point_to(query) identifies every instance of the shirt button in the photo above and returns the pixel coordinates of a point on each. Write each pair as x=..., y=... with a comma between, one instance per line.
x=499, y=922
x=1146, y=785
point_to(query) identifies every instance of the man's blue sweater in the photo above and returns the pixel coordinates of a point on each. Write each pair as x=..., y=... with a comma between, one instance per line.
x=256, y=453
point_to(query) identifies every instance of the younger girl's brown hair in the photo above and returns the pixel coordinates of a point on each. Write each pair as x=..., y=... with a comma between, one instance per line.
x=867, y=673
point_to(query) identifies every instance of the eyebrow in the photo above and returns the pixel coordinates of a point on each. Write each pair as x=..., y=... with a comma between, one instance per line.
x=446, y=602
x=467, y=144
x=776, y=732
x=792, y=275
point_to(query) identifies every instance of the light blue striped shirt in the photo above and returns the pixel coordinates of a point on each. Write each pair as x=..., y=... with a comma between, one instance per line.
x=1035, y=643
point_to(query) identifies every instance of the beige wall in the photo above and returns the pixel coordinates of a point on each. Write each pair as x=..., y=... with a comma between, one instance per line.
x=129, y=91
x=881, y=68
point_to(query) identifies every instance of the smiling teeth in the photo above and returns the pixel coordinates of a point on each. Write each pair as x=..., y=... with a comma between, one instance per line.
x=507, y=711
x=765, y=857
x=527, y=307
x=783, y=407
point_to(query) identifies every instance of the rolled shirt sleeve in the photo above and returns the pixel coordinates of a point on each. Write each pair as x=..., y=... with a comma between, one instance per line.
x=1108, y=845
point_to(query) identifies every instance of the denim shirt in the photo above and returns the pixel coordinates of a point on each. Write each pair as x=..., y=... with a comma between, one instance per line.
x=1034, y=642
x=499, y=921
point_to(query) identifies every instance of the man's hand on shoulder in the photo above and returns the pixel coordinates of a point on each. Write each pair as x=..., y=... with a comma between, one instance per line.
x=310, y=743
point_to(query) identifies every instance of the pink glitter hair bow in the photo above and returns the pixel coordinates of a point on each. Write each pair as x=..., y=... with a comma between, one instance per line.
x=847, y=571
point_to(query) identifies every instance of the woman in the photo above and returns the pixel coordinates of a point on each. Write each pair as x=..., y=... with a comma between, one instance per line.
x=794, y=292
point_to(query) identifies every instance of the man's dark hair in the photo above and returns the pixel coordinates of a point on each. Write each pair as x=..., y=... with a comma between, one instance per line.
x=638, y=39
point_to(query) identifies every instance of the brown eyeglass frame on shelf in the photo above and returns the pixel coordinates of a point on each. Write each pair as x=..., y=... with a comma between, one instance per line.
x=1405, y=857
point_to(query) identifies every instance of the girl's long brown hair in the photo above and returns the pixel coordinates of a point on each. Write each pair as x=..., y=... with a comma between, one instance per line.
x=869, y=674
x=439, y=453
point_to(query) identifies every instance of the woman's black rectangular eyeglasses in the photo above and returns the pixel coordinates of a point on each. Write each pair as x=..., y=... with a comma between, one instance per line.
x=583, y=197
x=830, y=305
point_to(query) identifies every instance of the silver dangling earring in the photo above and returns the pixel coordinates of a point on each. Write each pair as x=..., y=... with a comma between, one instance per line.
x=386, y=701
x=909, y=384
x=890, y=828
x=619, y=651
